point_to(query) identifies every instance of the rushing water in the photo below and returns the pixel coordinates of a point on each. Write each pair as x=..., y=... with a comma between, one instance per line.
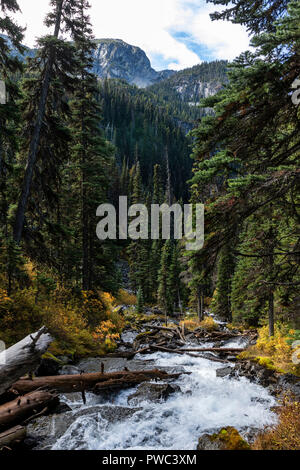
x=204, y=404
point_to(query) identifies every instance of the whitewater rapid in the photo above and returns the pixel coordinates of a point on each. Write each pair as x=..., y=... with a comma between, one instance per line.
x=205, y=404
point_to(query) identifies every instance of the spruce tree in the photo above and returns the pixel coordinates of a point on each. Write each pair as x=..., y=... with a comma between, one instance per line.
x=52, y=72
x=91, y=154
x=164, y=294
x=248, y=150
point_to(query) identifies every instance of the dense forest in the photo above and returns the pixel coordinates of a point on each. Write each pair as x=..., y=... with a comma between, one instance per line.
x=70, y=142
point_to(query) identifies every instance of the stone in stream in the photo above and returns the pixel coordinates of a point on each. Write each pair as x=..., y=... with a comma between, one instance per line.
x=69, y=370
x=45, y=431
x=152, y=392
x=226, y=439
x=224, y=372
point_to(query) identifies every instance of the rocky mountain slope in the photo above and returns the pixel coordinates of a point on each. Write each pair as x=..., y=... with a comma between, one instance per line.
x=115, y=58
x=193, y=84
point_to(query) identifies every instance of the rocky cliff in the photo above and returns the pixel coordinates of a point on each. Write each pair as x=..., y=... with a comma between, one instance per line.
x=115, y=58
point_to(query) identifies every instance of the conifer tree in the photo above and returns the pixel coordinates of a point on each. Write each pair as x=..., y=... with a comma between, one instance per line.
x=91, y=154
x=222, y=302
x=52, y=71
x=251, y=147
x=164, y=294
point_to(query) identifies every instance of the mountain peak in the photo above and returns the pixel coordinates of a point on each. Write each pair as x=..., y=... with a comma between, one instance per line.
x=114, y=58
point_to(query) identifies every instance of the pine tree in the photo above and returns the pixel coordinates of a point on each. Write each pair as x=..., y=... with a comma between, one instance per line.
x=222, y=303
x=164, y=294
x=52, y=72
x=91, y=154
x=9, y=112
x=140, y=301
x=175, y=286
x=248, y=151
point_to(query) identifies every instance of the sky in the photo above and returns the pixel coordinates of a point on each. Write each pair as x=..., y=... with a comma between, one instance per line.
x=175, y=34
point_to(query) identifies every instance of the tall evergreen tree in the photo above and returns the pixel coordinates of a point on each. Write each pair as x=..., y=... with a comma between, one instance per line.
x=90, y=153
x=252, y=144
x=52, y=70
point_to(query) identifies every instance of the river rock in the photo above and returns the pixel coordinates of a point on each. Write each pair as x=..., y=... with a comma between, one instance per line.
x=289, y=383
x=112, y=364
x=226, y=439
x=46, y=430
x=69, y=370
x=255, y=373
x=152, y=392
x=224, y=372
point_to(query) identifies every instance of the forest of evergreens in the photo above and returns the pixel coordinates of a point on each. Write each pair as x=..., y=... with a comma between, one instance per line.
x=69, y=142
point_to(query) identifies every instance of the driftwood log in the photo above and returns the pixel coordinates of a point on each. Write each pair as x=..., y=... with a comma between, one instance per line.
x=89, y=382
x=22, y=408
x=22, y=358
x=11, y=437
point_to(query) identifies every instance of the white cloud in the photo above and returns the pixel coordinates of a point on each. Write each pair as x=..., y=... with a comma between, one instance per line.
x=151, y=25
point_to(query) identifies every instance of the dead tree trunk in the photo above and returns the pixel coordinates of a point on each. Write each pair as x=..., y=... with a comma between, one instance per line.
x=15, y=412
x=86, y=382
x=12, y=436
x=22, y=358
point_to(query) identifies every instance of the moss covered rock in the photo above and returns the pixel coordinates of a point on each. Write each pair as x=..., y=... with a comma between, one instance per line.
x=226, y=439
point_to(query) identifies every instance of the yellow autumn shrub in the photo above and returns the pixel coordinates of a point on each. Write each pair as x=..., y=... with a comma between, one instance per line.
x=107, y=333
x=126, y=298
x=286, y=434
x=21, y=317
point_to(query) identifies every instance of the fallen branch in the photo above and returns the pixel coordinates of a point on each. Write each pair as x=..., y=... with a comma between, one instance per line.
x=87, y=382
x=17, y=411
x=22, y=358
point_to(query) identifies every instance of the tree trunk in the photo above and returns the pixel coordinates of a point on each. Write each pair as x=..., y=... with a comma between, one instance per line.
x=199, y=304
x=22, y=358
x=184, y=351
x=130, y=380
x=35, y=140
x=271, y=314
x=12, y=436
x=87, y=382
x=15, y=412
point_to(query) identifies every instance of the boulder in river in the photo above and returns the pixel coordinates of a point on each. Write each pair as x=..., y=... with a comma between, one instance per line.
x=226, y=439
x=152, y=392
x=224, y=372
x=44, y=432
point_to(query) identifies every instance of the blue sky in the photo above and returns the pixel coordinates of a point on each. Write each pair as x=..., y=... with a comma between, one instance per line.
x=175, y=34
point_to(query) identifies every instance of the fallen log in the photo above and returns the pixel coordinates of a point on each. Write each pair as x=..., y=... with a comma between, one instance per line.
x=163, y=328
x=17, y=411
x=22, y=358
x=130, y=381
x=190, y=352
x=217, y=350
x=87, y=382
x=11, y=437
